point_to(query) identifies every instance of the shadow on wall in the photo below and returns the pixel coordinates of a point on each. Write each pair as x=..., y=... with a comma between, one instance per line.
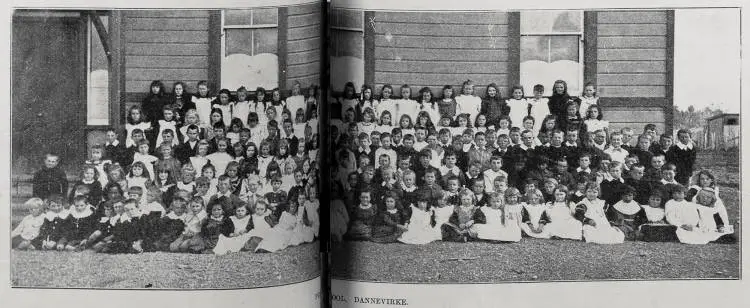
x=346, y=69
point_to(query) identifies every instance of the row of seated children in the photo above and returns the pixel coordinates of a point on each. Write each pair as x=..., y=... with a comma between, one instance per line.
x=600, y=212
x=129, y=225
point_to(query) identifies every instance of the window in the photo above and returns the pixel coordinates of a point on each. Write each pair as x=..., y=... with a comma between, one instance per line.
x=347, y=48
x=97, y=88
x=552, y=49
x=249, y=48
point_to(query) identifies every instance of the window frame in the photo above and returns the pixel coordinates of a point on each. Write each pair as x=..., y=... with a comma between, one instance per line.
x=91, y=34
x=249, y=26
x=360, y=30
x=581, y=47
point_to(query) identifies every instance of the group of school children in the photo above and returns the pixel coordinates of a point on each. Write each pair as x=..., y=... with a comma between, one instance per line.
x=257, y=189
x=417, y=169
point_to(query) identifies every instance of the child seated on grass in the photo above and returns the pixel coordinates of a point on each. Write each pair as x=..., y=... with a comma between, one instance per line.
x=170, y=226
x=213, y=227
x=81, y=224
x=695, y=224
x=591, y=212
x=534, y=214
x=499, y=225
x=362, y=218
x=53, y=228
x=458, y=228
x=28, y=229
x=391, y=222
x=193, y=221
x=560, y=220
x=419, y=226
x=655, y=228
x=626, y=214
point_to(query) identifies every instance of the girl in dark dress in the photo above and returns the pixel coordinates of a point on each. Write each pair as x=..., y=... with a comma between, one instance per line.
x=557, y=102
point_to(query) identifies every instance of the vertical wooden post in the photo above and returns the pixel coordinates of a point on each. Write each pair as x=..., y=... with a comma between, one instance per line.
x=590, y=32
x=283, y=55
x=514, y=49
x=669, y=106
x=116, y=71
x=214, y=49
x=369, y=45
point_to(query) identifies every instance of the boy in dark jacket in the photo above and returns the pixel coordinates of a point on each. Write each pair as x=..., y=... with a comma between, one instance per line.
x=50, y=179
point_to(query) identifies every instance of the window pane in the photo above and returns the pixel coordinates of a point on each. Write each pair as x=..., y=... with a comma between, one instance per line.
x=266, y=16
x=551, y=21
x=564, y=48
x=347, y=44
x=347, y=18
x=546, y=58
x=238, y=41
x=265, y=40
x=97, y=108
x=535, y=48
x=251, y=17
x=237, y=17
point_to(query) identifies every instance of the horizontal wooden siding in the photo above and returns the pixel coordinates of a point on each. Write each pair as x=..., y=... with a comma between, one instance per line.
x=434, y=49
x=304, y=45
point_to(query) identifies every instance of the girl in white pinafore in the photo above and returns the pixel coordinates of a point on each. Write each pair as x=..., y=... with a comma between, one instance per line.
x=560, y=212
x=262, y=220
x=235, y=241
x=419, y=227
x=500, y=226
x=596, y=227
x=303, y=231
x=279, y=237
x=695, y=223
x=534, y=215
x=443, y=213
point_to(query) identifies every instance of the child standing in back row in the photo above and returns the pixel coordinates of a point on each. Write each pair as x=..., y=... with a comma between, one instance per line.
x=467, y=102
x=519, y=107
x=202, y=101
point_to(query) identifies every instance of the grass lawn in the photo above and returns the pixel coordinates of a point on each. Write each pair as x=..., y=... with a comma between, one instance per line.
x=545, y=260
x=164, y=270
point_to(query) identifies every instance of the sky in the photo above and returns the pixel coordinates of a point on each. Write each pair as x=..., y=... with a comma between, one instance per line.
x=707, y=59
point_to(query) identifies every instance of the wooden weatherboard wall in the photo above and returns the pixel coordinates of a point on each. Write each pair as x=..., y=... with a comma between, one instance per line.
x=168, y=45
x=633, y=64
x=438, y=49
x=304, y=46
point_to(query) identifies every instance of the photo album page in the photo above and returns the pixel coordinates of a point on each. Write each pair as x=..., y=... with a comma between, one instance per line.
x=532, y=154
x=163, y=154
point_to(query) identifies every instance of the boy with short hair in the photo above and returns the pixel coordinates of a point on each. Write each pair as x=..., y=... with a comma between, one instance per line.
x=663, y=146
x=615, y=150
x=496, y=164
x=113, y=149
x=450, y=169
x=420, y=134
x=277, y=198
x=653, y=173
x=644, y=155
x=424, y=166
x=385, y=149
x=365, y=147
x=479, y=152
x=229, y=201
x=50, y=179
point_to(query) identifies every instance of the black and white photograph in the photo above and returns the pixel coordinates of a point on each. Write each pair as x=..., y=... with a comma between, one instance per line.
x=534, y=145
x=165, y=148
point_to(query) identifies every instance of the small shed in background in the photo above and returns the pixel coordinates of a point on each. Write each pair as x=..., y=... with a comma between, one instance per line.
x=722, y=131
